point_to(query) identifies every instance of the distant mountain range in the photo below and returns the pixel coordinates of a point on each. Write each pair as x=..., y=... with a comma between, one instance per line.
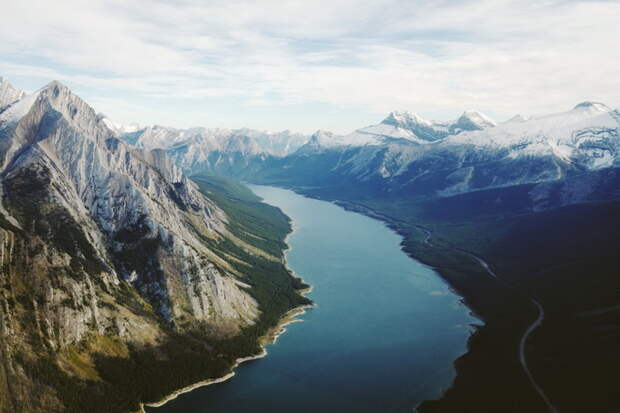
x=405, y=154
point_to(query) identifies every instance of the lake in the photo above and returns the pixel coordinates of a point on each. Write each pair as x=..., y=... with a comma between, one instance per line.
x=382, y=338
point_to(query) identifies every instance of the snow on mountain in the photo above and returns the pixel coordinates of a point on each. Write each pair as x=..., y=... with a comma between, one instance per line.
x=275, y=143
x=324, y=140
x=471, y=120
x=219, y=150
x=411, y=127
x=585, y=136
x=216, y=139
x=119, y=129
x=521, y=151
x=405, y=150
x=8, y=93
x=517, y=118
x=14, y=111
x=403, y=127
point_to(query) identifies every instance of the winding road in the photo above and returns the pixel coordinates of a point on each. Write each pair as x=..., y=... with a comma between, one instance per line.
x=531, y=328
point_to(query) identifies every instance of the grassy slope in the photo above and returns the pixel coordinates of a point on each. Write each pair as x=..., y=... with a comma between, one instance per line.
x=151, y=373
x=566, y=258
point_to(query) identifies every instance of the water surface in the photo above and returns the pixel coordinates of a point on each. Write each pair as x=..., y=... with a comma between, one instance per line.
x=382, y=339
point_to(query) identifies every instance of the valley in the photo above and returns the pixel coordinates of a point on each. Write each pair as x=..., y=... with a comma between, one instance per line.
x=364, y=347
x=136, y=264
x=309, y=207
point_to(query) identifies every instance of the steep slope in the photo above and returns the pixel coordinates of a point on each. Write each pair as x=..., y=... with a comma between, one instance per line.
x=108, y=250
x=120, y=191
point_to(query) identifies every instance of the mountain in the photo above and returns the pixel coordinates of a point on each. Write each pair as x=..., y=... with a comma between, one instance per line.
x=108, y=250
x=536, y=150
x=117, y=192
x=238, y=151
x=219, y=150
x=119, y=129
x=8, y=93
x=406, y=154
x=411, y=127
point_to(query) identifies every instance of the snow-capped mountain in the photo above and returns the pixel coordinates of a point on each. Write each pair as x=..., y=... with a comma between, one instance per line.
x=119, y=129
x=397, y=127
x=408, y=154
x=411, y=127
x=239, y=151
x=216, y=150
x=520, y=151
x=584, y=137
x=247, y=141
x=8, y=93
x=324, y=140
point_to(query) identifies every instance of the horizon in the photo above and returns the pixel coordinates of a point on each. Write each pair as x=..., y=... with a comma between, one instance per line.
x=276, y=131
x=303, y=68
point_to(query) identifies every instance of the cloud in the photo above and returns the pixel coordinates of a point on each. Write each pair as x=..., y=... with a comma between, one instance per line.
x=436, y=57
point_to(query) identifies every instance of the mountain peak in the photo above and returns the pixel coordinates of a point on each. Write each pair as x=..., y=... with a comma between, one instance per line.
x=322, y=134
x=118, y=128
x=478, y=118
x=8, y=93
x=55, y=83
x=472, y=120
x=321, y=138
x=57, y=88
x=518, y=118
x=404, y=119
x=593, y=106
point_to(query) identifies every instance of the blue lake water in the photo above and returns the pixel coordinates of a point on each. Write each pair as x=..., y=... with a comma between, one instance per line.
x=383, y=337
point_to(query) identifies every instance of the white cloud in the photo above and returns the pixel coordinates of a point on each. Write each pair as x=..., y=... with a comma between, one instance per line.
x=441, y=56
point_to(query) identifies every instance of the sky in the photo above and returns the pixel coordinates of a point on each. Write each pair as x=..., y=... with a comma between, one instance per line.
x=306, y=65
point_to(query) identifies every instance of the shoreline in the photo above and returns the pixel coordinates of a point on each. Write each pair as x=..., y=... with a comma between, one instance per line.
x=392, y=225
x=270, y=337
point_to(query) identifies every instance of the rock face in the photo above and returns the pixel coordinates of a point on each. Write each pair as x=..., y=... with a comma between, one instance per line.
x=99, y=238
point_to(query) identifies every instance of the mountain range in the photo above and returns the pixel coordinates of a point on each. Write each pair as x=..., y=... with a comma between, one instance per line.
x=117, y=266
x=407, y=155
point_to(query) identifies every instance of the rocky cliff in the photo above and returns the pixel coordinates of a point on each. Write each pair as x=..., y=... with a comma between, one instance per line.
x=103, y=247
